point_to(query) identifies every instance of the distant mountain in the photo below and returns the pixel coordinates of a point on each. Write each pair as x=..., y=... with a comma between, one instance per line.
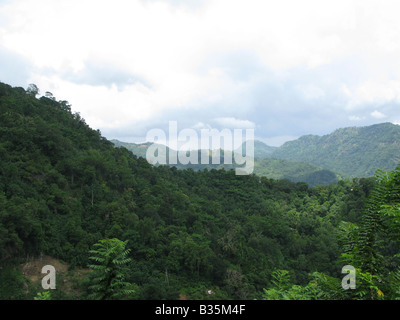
x=138, y=149
x=261, y=150
x=348, y=152
x=355, y=151
x=263, y=164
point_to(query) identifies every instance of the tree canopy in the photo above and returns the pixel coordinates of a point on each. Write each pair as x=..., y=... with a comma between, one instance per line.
x=65, y=188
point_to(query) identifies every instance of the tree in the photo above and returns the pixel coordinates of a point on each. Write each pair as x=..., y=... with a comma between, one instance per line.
x=109, y=274
x=321, y=287
x=32, y=90
x=49, y=95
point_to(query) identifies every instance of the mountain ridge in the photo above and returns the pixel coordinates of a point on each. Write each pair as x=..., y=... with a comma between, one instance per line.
x=355, y=151
x=345, y=152
x=264, y=165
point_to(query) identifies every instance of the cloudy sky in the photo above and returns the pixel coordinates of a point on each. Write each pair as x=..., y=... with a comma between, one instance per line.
x=284, y=68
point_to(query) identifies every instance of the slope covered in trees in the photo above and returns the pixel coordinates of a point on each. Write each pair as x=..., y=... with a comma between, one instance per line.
x=355, y=151
x=63, y=188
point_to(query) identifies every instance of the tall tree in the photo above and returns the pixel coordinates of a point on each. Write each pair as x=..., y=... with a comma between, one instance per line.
x=33, y=90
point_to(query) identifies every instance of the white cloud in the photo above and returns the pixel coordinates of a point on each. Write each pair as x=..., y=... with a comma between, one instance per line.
x=356, y=118
x=233, y=123
x=153, y=39
x=104, y=107
x=200, y=125
x=311, y=91
x=378, y=115
x=372, y=92
x=164, y=46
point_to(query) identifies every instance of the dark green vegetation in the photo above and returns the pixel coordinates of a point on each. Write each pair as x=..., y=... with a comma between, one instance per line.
x=64, y=188
x=294, y=171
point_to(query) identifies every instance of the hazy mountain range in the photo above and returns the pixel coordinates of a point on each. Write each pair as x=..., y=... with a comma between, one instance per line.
x=346, y=152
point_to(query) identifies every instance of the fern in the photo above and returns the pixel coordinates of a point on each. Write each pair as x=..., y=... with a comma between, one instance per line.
x=109, y=279
x=363, y=245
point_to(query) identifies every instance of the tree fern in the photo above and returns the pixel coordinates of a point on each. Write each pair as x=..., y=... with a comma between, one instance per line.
x=108, y=280
x=363, y=245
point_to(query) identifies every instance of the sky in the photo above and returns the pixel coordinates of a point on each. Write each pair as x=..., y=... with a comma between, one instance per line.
x=283, y=68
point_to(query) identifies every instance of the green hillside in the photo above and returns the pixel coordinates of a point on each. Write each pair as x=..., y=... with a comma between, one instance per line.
x=294, y=171
x=206, y=234
x=355, y=151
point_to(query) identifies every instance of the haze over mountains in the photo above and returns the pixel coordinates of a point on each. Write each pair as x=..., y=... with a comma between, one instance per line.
x=350, y=152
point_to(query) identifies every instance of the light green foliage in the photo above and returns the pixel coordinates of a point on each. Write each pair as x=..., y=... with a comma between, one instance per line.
x=282, y=289
x=320, y=287
x=46, y=295
x=368, y=246
x=110, y=257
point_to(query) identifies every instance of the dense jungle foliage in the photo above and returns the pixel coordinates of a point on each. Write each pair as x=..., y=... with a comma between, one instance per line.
x=206, y=234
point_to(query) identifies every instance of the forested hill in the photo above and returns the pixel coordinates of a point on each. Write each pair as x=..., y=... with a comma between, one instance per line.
x=356, y=151
x=63, y=187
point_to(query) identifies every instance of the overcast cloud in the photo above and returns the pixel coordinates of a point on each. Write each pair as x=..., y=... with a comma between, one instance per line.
x=285, y=68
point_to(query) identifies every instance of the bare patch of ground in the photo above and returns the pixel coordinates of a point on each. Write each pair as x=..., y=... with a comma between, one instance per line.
x=67, y=280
